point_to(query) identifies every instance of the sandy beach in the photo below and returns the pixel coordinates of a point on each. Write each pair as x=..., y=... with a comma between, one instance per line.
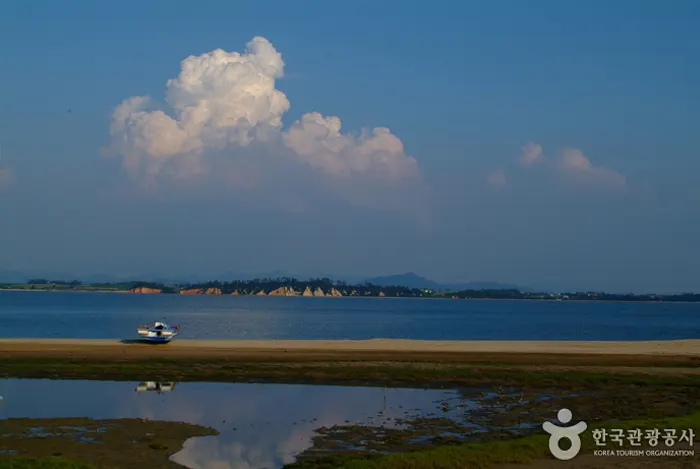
x=348, y=348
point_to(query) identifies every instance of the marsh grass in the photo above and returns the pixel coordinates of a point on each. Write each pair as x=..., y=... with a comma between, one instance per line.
x=399, y=373
x=42, y=463
x=112, y=444
x=637, y=392
x=484, y=455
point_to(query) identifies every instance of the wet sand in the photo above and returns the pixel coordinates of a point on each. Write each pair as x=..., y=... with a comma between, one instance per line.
x=387, y=348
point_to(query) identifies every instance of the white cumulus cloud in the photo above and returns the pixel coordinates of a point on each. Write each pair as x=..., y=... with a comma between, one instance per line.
x=532, y=154
x=318, y=141
x=225, y=106
x=574, y=163
x=572, y=166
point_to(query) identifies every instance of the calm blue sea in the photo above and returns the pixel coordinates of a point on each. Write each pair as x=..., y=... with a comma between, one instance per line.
x=110, y=315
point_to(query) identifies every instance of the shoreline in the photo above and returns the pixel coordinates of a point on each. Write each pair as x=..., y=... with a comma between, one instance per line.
x=400, y=348
x=552, y=300
x=388, y=362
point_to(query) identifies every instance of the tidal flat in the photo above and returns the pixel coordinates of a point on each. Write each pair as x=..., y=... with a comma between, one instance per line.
x=210, y=425
x=290, y=407
x=95, y=443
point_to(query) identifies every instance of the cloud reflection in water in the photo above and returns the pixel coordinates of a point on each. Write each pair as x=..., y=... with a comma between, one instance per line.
x=260, y=425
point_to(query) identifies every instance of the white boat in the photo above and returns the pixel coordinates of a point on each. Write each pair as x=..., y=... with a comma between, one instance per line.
x=155, y=386
x=158, y=332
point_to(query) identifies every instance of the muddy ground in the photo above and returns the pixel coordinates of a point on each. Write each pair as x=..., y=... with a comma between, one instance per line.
x=117, y=444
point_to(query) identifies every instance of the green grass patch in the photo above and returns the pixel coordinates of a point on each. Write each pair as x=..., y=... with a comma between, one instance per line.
x=42, y=463
x=119, y=443
x=489, y=454
x=404, y=374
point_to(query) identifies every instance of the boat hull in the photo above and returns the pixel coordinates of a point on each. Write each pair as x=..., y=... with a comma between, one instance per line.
x=157, y=339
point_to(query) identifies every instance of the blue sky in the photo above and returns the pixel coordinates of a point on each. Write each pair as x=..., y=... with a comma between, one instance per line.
x=462, y=85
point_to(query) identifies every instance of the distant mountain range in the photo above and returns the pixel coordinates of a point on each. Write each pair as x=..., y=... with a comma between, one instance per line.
x=409, y=279
x=413, y=280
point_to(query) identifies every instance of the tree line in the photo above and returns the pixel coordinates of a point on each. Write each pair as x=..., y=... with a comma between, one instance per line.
x=329, y=286
x=267, y=285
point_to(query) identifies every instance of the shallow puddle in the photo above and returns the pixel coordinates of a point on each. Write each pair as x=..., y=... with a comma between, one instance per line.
x=260, y=425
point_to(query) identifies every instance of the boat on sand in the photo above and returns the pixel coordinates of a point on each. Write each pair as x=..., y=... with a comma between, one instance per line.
x=158, y=332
